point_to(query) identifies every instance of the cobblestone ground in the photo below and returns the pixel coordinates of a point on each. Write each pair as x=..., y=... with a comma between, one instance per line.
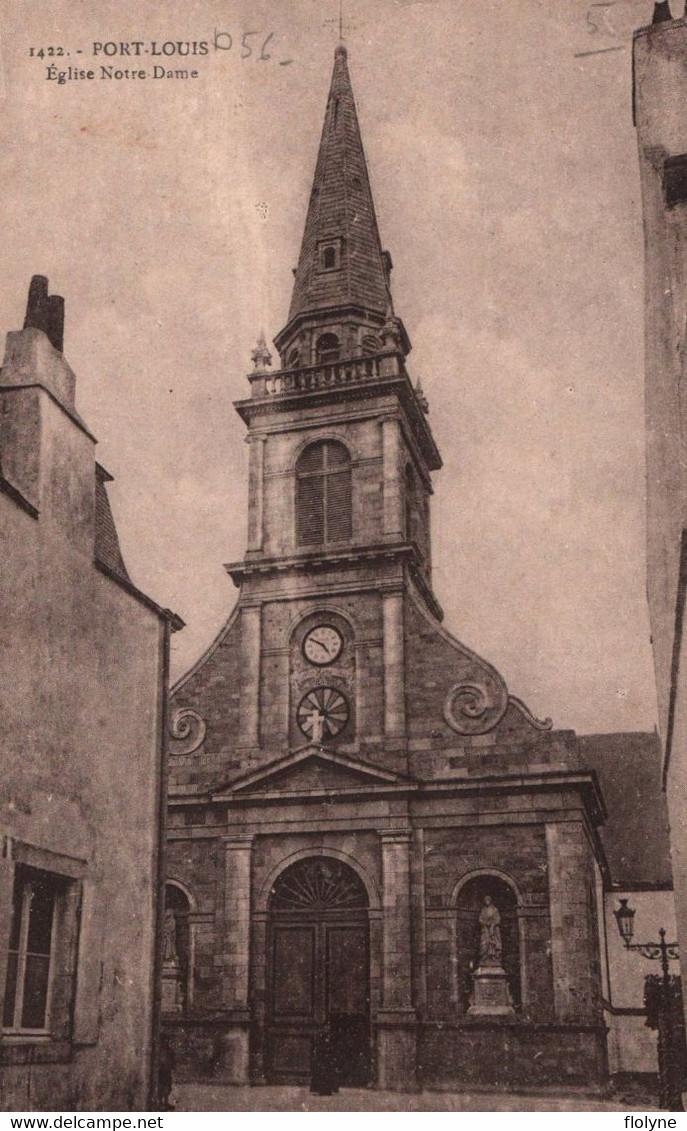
x=210, y=1097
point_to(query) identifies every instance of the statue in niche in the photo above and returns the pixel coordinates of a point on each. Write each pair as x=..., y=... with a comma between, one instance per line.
x=170, y=953
x=490, y=947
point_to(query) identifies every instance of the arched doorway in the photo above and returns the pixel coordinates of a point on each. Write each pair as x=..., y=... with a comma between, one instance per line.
x=318, y=970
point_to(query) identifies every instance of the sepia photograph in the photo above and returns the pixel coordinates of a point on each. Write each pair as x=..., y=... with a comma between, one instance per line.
x=343, y=520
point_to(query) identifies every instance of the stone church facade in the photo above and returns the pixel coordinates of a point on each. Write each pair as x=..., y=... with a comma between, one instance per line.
x=350, y=786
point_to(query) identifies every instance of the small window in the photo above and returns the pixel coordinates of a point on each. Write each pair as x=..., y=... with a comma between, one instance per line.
x=328, y=349
x=675, y=180
x=330, y=255
x=371, y=344
x=294, y=359
x=31, y=950
x=323, y=494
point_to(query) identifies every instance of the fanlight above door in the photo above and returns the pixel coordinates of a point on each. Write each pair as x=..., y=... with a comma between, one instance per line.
x=318, y=885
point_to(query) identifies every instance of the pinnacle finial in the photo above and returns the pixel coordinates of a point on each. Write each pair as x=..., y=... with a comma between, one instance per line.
x=391, y=330
x=261, y=356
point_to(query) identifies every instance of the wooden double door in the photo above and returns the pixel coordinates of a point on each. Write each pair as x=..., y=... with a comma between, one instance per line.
x=318, y=993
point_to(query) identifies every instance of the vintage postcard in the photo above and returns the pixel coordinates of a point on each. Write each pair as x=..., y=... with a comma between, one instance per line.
x=336, y=761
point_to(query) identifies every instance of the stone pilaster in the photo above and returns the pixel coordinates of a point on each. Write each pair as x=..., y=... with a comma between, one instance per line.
x=249, y=718
x=256, y=485
x=232, y=1066
x=396, y=1020
x=394, y=664
x=418, y=921
x=393, y=513
x=574, y=947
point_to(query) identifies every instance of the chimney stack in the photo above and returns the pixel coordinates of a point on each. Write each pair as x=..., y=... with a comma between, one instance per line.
x=661, y=12
x=45, y=312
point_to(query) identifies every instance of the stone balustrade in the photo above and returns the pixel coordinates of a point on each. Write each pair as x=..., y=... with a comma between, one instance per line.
x=333, y=374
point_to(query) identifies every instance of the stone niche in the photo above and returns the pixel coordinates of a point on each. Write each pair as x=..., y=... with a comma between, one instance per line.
x=488, y=941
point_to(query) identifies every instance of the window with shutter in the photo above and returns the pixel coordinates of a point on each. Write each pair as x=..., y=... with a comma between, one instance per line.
x=323, y=494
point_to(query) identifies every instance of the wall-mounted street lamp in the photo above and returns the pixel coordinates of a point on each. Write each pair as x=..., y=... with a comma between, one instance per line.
x=669, y=1066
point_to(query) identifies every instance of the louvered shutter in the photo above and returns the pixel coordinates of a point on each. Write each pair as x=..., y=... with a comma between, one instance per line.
x=335, y=455
x=323, y=494
x=312, y=459
x=339, y=506
x=310, y=510
x=337, y=492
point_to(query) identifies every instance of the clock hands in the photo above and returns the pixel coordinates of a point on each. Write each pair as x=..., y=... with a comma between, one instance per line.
x=322, y=645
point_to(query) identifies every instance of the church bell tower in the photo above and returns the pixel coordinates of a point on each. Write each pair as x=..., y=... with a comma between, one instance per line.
x=340, y=459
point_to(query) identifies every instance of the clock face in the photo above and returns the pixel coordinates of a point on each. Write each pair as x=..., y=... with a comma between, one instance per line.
x=322, y=645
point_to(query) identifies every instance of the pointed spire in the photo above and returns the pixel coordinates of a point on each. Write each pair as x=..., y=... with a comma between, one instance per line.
x=341, y=260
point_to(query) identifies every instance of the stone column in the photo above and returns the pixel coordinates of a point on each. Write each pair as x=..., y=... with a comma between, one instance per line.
x=396, y=1020
x=256, y=487
x=393, y=513
x=232, y=1066
x=419, y=922
x=249, y=717
x=394, y=664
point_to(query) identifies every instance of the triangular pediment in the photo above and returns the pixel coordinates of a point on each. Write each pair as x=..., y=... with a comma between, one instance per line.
x=313, y=769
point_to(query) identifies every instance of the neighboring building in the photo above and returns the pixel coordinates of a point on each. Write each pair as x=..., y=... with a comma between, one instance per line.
x=352, y=790
x=83, y=677
x=637, y=849
x=660, y=91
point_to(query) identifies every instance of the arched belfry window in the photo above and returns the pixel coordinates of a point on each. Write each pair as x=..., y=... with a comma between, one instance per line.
x=328, y=349
x=294, y=359
x=323, y=494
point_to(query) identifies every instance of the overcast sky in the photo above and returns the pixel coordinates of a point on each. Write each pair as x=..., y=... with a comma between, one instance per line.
x=503, y=164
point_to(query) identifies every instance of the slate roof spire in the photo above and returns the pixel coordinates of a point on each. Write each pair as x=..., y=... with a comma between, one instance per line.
x=340, y=215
